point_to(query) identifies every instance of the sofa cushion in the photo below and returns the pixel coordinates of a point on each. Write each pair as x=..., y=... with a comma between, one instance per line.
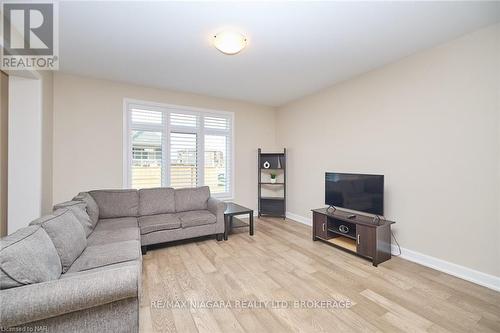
x=79, y=209
x=116, y=203
x=117, y=223
x=28, y=256
x=92, y=208
x=106, y=236
x=107, y=254
x=196, y=217
x=158, y=222
x=66, y=233
x=153, y=201
x=131, y=263
x=191, y=198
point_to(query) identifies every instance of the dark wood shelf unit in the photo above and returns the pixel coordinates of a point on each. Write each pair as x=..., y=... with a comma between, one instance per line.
x=362, y=235
x=270, y=205
x=270, y=154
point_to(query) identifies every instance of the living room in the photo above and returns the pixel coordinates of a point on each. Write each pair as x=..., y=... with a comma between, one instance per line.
x=250, y=166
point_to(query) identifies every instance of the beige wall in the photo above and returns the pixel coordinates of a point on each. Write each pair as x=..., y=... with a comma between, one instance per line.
x=4, y=121
x=47, y=138
x=430, y=123
x=29, y=135
x=88, y=134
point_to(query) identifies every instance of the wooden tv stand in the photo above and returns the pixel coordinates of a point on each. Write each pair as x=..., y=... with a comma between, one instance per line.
x=358, y=235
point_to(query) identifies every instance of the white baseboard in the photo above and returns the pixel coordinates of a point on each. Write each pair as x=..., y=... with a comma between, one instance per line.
x=298, y=218
x=469, y=274
x=465, y=273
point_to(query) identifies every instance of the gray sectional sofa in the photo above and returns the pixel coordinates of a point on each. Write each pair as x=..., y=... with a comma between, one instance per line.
x=79, y=268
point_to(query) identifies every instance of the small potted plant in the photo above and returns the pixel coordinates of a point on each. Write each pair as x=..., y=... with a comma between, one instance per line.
x=273, y=177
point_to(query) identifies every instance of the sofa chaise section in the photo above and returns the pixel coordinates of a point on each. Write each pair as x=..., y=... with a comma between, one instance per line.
x=102, y=301
x=52, y=277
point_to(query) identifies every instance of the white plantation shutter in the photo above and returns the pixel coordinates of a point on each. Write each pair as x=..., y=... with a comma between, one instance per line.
x=146, y=159
x=179, y=148
x=184, y=120
x=218, y=159
x=146, y=117
x=183, y=160
x=146, y=138
x=217, y=123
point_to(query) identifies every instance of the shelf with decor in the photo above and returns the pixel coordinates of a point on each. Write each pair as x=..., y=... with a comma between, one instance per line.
x=272, y=184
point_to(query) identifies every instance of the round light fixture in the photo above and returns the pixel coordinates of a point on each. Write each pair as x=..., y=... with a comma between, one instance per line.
x=229, y=42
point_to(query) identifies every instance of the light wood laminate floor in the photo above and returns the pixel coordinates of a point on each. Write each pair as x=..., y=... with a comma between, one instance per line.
x=282, y=263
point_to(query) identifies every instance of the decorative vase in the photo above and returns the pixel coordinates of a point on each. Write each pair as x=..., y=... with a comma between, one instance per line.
x=266, y=165
x=273, y=180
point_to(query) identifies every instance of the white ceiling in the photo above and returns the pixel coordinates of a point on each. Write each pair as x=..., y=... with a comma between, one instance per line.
x=295, y=48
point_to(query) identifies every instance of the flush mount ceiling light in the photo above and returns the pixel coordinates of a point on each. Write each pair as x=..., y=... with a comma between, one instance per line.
x=229, y=42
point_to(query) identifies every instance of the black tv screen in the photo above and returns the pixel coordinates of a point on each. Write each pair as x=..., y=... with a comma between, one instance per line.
x=364, y=193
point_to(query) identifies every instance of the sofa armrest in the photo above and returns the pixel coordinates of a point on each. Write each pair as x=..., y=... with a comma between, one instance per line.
x=44, y=300
x=217, y=207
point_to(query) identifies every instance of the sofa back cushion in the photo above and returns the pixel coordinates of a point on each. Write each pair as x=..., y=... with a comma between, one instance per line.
x=116, y=203
x=191, y=198
x=28, y=256
x=92, y=208
x=79, y=210
x=66, y=233
x=154, y=201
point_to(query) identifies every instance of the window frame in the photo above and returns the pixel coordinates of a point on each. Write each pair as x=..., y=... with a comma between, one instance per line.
x=167, y=128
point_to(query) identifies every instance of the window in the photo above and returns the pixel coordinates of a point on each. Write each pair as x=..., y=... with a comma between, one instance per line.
x=178, y=147
x=215, y=163
x=183, y=160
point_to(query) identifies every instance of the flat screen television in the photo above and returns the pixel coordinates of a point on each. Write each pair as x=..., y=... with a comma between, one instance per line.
x=363, y=193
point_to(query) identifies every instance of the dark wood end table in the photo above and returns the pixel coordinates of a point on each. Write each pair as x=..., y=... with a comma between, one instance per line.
x=233, y=209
